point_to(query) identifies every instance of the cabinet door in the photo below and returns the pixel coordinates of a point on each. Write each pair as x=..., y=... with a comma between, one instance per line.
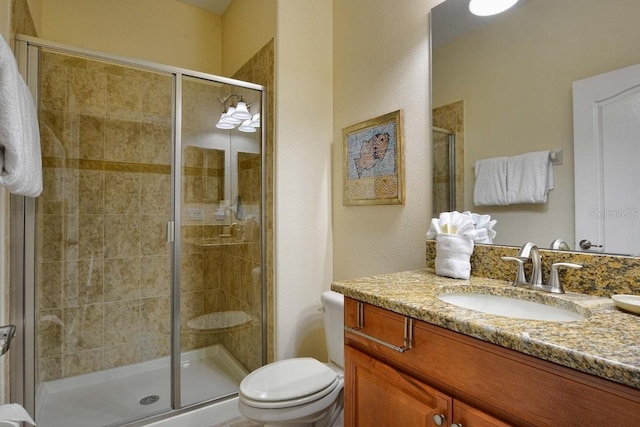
x=469, y=416
x=378, y=395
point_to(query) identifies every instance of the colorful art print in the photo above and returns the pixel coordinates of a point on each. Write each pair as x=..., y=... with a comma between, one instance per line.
x=373, y=161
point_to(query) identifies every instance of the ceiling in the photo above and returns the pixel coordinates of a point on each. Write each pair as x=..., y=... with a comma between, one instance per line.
x=215, y=6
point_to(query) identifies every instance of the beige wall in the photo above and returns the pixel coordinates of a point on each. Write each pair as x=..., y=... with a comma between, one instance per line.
x=303, y=260
x=5, y=18
x=35, y=8
x=247, y=25
x=381, y=64
x=163, y=31
x=515, y=108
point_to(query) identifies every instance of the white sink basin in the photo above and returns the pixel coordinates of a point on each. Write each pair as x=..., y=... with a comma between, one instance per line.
x=511, y=307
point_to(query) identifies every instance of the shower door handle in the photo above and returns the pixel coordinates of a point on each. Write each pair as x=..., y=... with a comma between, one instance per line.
x=171, y=231
x=6, y=335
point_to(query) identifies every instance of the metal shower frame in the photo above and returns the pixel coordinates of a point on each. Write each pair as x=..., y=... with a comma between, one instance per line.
x=22, y=230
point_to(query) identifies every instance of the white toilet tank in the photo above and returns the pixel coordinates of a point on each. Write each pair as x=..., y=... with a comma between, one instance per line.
x=333, y=304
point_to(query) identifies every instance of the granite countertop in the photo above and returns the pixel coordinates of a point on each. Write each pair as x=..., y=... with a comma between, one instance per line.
x=606, y=344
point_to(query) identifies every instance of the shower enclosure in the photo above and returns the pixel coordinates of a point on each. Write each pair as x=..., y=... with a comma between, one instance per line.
x=139, y=271
x=444, y=171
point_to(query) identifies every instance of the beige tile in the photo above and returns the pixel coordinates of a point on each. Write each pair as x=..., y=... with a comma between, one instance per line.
x=156, y=318
x=192, y=272
x=153, y=235
x=83, y=282
x=49, y=329
x=84, y=191
x=49, y=368
x=52, y=133
x=121, y=322
x=191, y=306
x=122, y=236
x=86, y=92
x=121, y=279
x=50, y=244
x=157, y=100
x=193, y=157
x=151, y=349
x=193, y=187
x=155, y=276
x=124, y=98
x=121, y=355
x=91, y=137
x=84, y=237
x=83, y=328
x=49, y=279
x=122, y=141
x=155, y=144
x=122, y=193
x=51, y=200
x=156, y=194
x=53, y=86
x=83, y=362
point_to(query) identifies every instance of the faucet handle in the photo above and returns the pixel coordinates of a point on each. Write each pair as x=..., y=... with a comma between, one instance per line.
x=554, y=280
x=520, y=277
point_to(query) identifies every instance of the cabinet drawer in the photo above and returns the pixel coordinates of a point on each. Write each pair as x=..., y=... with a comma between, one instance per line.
x=372, y=325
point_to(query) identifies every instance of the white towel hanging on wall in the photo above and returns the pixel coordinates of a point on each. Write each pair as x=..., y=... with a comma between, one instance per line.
x=525, y=178
x=529, y=177
x=490, y=186
x=20, y=161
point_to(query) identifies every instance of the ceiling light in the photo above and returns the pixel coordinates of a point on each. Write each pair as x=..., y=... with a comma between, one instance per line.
x=490, y=7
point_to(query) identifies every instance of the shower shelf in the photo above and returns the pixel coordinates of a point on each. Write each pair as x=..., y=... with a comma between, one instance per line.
x=218, y=241
x=220, y=321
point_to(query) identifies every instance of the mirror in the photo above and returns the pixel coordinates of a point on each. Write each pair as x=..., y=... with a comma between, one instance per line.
x=506, y=82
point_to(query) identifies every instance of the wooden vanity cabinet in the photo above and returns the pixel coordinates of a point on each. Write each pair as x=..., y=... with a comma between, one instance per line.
x=403, y=372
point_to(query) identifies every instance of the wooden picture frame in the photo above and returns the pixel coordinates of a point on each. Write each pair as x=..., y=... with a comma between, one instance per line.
x=373, y=169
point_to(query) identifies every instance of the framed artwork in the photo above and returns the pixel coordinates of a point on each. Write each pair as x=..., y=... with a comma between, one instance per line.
x=373, y=162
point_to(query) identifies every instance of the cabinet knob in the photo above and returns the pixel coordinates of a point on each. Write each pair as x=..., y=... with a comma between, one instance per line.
x=439, y=419
x=456, y=425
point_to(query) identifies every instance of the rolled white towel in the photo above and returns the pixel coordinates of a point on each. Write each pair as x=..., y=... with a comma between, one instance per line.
x=14, y=414
x=453, y=255
x=20, y=161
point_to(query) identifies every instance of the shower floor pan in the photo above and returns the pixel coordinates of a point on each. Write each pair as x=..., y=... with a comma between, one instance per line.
x=134, y=391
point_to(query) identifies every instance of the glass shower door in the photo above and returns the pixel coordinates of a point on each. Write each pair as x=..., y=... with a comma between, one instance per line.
x=103, y=264
x=221, y=270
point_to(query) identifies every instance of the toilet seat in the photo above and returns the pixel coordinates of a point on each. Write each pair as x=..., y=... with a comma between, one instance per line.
x=287, y=383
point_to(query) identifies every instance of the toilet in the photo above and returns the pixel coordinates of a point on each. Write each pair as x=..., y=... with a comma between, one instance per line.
x=301, y=392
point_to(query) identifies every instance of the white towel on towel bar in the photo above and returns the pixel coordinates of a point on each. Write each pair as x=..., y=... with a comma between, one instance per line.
x=491, y=182
x=20, y=161
x=529, y=177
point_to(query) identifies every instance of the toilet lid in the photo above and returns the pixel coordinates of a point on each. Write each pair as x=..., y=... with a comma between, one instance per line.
x=287, y=380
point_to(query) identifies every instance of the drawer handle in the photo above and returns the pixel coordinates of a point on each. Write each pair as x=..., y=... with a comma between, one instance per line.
x=408, y=332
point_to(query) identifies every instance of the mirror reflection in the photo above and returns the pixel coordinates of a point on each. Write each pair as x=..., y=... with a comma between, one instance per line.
x=503, y=86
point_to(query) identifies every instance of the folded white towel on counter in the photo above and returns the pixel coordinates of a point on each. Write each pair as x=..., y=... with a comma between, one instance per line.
x=452, y=223
x=15, y=414
x=453, y=255
x=20, y=161
x=484, y=227
x=454, y=233
x=490, y=186
x=529, y=177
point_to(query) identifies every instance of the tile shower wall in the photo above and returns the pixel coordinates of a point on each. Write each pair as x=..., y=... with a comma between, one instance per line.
x=103, y=271
x=260, y=69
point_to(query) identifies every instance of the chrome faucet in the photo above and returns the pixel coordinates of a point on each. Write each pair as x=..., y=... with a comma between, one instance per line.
x=530, y=251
